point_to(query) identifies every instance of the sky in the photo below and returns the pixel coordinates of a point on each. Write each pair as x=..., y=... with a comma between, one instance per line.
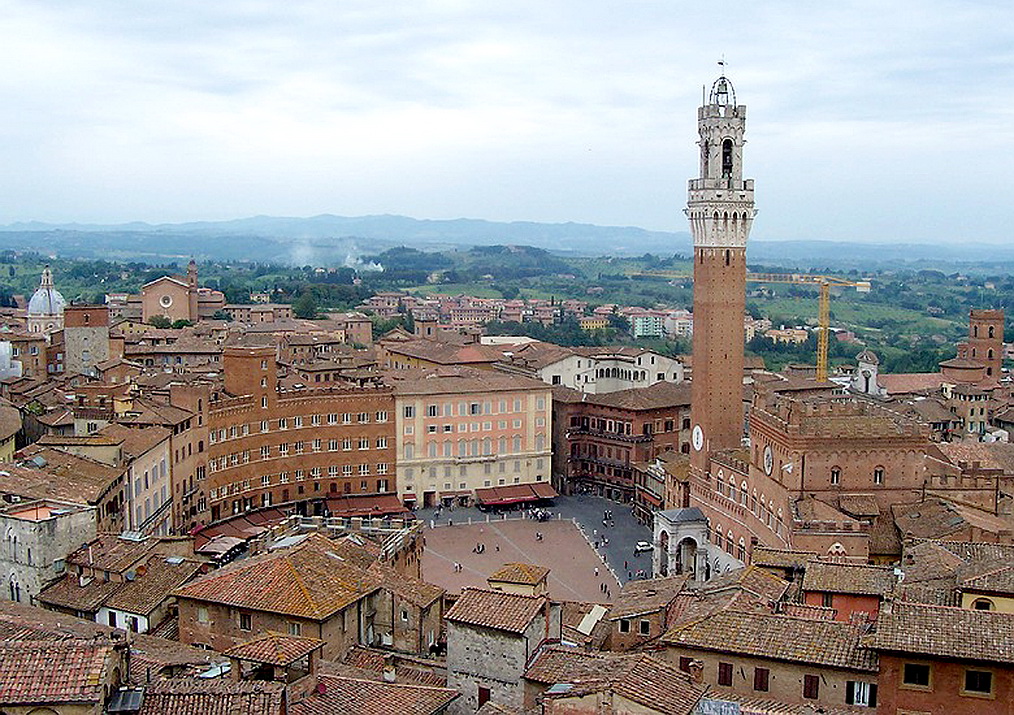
x=867, y=121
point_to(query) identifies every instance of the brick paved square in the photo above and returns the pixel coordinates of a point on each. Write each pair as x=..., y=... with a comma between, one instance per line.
x=571, y=559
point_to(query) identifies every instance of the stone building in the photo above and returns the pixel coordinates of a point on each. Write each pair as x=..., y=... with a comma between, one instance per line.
x=46, y=306
x=85, y=338
x=491, y=636
x=37, y=537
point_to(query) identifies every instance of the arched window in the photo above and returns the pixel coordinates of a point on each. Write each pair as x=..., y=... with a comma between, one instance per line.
x=878, y=475
x=742, y=494
x=991, y=331
x=741, y=550
x=983, y=604
x=727, y=159
x=732, y=488
x=835, y=476
x=989, y=354
x=975, y=331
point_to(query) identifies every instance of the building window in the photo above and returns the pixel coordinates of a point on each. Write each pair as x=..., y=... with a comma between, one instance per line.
x=982, y=604
x=978, y=682
x=644, y=627
x=685, y=662
x=245, y=622
x=202, y=615
x=827, y=600
x=295, y=629
x=835, y=475
x=878, y=475
x=409, y=411
x=725, y=674
x=858, y=693
x=760, y=679
x=916, y=675
x=624, y=623
x=811, y=686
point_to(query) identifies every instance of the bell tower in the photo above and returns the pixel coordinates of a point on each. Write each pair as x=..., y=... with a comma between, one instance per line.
x=721, y=210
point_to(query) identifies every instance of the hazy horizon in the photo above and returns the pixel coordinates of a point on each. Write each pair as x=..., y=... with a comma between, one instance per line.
x=866, y=123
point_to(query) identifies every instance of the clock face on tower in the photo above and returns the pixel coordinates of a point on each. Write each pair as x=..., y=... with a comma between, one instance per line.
x=697, y=437
x=769, y=460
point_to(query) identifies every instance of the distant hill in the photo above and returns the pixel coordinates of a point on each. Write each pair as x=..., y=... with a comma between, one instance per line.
x=336, y=240
x=327, y=237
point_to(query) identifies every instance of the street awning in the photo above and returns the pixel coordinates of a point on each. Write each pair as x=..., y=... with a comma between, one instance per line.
x=514, y=494
x=378, y=505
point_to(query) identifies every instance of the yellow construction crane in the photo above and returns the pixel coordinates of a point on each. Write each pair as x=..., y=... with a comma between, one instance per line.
x=824, y=283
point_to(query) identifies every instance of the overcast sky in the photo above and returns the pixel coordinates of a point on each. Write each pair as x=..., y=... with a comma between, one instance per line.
x=885, y=121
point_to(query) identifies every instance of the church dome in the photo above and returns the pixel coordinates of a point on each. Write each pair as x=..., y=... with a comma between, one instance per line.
x=868, y=356
x=47, y=299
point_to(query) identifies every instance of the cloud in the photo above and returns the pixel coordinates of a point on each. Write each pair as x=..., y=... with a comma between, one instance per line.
x=866, y=111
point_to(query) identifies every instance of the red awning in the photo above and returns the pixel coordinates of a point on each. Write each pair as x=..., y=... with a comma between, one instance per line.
x=514, y=494
x=366, y=505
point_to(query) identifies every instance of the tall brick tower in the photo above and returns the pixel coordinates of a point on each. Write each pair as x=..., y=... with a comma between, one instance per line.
x=720, y=209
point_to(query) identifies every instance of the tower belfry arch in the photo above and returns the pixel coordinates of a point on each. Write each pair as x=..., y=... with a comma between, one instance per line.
x=720, y=209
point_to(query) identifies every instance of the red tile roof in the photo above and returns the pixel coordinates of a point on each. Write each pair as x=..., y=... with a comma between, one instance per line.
x=945, y=632
x=310, y=580
x=336, y=694
x=802, y=640
x=275, y=648
x=48, y=672
x=495, y=609
x=196, y=696
x=528, y=574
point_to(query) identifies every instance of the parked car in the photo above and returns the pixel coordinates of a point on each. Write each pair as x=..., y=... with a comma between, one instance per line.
x=642, y=546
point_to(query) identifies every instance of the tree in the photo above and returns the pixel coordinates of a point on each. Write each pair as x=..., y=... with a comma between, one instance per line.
x=160, y=321
x=305, y=305
x=181, y=323
x=222, y=315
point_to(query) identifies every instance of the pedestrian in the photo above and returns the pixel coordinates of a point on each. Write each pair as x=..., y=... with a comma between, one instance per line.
x=498, y=547
x=624, y=565
x=596, y=570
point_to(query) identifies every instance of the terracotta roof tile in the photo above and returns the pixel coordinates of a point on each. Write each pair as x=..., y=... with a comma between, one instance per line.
x=641, y=678
x=801, y=640
x=275, y=648
x=646, y=596
x=161, y=576
x=69, y=593
x=66, y=671
x=196, y=696
x=336, y=694
x=780, y=558
x=309, y=580
x=945, y=632
x=528, y=574
x=496, y=610
x=857, y=579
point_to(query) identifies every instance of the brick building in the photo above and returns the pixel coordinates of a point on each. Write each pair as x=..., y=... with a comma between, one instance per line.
x=942, y=659
x=269, y=445
x=598, y=439
x=320, y=588
x=786, y=659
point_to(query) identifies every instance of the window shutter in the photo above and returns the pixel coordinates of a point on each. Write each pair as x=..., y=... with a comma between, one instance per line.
x=850, y=693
